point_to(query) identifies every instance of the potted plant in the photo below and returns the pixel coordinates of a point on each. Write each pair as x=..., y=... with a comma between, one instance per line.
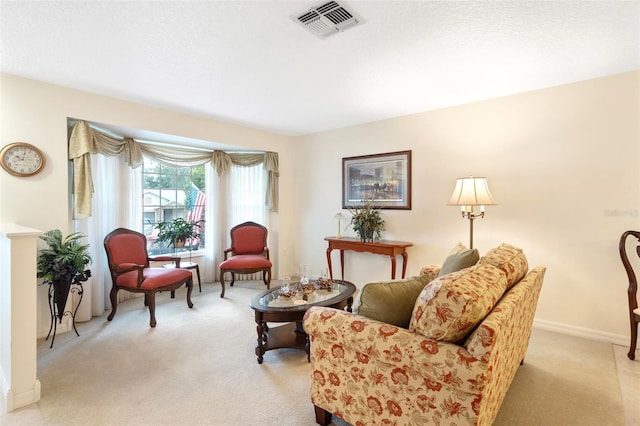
x=367, y=221
x=62, y=264
x=178, y=231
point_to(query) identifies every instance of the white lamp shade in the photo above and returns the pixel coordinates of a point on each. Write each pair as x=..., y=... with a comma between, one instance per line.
x=471, y=191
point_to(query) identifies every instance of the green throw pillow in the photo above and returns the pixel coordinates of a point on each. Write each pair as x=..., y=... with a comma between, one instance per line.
x=391, y=302
x=459, y=258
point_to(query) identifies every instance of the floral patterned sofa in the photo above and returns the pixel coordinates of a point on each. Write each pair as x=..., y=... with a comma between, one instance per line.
x=468, y=333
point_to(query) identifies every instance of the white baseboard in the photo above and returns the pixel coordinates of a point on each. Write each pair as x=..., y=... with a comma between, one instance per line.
x=586, y=333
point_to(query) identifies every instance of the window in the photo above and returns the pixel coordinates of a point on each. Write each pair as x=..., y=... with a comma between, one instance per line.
x=169, y=193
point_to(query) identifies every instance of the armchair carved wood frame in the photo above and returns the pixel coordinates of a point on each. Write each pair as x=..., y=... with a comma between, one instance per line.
x=129, y=265
x=249, y=253
x=632, y=291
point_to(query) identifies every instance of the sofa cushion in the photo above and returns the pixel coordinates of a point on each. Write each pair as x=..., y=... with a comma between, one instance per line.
x=391, y=301
x=451, y=306
x=459, y=258
x=509, y=259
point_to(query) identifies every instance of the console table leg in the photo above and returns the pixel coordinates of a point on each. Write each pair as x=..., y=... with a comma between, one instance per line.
x=405, y=258
x=393, y=267
x=342, y=264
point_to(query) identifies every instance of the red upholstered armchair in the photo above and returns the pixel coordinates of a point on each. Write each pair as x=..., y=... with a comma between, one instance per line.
x=249, y=253
x=130, y=271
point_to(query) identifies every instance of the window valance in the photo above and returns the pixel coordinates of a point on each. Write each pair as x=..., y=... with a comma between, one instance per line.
x=86, y=140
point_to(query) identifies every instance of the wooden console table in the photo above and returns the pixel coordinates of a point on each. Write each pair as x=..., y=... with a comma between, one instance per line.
x=387, y=248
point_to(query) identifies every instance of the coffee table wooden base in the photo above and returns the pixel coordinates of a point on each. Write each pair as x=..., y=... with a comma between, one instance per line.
x=290, y=335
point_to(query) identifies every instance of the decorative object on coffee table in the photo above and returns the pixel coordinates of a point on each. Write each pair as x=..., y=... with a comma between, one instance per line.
x=471, y=192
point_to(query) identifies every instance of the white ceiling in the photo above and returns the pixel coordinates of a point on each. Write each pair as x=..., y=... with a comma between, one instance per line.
x=247, y=62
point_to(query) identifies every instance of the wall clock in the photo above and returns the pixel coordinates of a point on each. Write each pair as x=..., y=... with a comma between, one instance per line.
x=21, y=159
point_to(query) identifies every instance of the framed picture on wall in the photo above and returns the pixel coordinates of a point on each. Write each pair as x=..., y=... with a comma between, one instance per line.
x=385, y=179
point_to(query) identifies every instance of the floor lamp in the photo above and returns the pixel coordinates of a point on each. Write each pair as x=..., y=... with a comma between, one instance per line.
x=471, y=192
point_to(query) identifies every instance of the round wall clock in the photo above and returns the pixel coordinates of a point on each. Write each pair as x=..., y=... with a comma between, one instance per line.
x=21, y=159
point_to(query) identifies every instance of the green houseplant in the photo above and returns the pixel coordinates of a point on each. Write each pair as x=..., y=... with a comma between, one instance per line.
x=178, y=231
x=367, y=221
x=62, y=264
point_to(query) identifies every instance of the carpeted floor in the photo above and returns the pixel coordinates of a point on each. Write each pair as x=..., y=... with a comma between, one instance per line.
x=564, y=380
x=198, y=367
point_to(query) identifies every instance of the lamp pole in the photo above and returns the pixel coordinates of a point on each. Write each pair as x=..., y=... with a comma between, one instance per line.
x=467, y=211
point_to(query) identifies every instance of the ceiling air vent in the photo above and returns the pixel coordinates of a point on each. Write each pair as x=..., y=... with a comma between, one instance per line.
x=326, y=19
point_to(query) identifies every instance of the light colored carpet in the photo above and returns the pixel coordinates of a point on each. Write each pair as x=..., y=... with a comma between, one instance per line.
x=198, y=367
x=564, y=380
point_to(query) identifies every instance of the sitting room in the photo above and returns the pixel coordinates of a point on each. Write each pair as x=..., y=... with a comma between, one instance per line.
x=278, y=111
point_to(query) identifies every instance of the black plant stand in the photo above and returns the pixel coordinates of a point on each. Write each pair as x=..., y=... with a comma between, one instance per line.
x=56, y=315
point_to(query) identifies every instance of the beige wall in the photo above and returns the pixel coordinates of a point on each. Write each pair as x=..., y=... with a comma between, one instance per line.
x=562, y=164
x=559, y=162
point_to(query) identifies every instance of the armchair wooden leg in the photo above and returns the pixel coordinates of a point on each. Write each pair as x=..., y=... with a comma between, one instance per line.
x=114, y=302
x=152, y=308
x=222, y=282
x=634, y=339
x=266, y=277
x=323, y=417
x=189, y=290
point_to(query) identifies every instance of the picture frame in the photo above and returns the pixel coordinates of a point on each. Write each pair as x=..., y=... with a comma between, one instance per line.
x=383, y=179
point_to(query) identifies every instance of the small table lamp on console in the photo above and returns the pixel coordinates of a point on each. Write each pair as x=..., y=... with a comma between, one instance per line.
x=471, y=192
x=338, y=217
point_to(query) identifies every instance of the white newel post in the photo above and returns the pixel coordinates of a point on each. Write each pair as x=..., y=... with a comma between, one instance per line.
x=18, y=316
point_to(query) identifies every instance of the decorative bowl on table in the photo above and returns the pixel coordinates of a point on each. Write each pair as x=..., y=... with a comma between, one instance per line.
x=287, y=293
x=308, y=288
x=324, y=284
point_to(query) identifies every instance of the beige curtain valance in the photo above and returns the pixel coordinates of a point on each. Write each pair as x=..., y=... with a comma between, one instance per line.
x=85, y=140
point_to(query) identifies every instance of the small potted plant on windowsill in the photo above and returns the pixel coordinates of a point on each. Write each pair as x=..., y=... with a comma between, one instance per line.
x=177, y=232
x=367, y=222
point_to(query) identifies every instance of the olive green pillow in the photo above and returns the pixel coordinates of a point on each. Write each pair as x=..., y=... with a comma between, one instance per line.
x=391, y=302
x=459, y=258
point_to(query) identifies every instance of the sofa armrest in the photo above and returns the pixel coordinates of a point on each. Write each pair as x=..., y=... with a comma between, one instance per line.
x=391, y=302
x=336, y=335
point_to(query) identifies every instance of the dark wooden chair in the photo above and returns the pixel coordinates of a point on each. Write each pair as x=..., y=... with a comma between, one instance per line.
x=632, y=292
x=248, y=253
x=129, y=265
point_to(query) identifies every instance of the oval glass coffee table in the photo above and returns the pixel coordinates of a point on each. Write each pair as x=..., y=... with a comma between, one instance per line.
x=269, y=307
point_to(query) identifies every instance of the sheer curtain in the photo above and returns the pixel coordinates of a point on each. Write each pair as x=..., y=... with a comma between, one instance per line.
x=117, y=191
x=239, y=197
x=245, y=200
